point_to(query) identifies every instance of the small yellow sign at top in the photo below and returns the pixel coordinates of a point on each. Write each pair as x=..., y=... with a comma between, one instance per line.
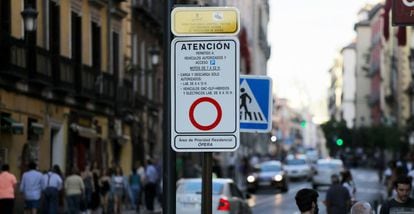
x=205, y=21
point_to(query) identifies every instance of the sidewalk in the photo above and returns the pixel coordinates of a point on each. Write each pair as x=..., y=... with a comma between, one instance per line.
x=19, y=206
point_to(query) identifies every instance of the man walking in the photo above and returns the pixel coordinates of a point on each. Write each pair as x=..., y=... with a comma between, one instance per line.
x=402, y=203
x=74, y=188
x=51, y=185
x=337, y=199
x=307, y=201
x=151, y=186
x=31, y=187
x=7, y=184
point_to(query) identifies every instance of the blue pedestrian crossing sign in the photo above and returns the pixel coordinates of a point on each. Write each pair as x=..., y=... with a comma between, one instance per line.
x=255, y=103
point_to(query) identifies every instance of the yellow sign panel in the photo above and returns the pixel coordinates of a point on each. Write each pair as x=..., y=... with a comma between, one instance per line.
x=205, y=21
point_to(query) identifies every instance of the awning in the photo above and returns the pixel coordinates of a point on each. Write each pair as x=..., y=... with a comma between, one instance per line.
x=37, y=128
x=84, y=131
x=11, y=126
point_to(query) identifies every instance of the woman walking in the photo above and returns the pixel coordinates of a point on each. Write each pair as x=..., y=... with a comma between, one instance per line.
x=118, y=188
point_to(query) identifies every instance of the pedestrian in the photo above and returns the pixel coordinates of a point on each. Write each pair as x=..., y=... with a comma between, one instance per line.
x=96, y=173
x=141, y=172
x=118, y=186
x=74, y=189
x=51, y=185
x=135, y=189
x=105, y=187
x=31, y=187
x=231, y=165
x=7, y=184
x=401, y=203
x=216, y=168
x=61, y=200
x=151, y=185
x=244, y=169
x=307, y=201
x=349, y=184
x=87, y=177
x=361, y=207
x=337, y=199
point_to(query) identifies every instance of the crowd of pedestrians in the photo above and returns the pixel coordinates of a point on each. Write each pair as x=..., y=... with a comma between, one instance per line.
x=93, y=190
x=340, y=197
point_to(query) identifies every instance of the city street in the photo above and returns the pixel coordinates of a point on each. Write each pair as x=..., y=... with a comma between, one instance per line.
x=267, y=201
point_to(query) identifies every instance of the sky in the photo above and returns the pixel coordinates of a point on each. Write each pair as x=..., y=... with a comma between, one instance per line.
x=305, y=37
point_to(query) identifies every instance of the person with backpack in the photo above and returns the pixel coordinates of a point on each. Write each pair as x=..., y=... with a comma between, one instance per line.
x=135, y=189
x=51, y=185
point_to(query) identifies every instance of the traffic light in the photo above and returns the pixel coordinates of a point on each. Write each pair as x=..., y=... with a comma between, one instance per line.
x=339, y=142
x=303, y=123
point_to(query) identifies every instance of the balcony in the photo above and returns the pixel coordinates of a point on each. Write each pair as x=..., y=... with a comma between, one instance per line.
x=13, y=59
x=87, y=80
x=61, y=74
x=64, y=75
x=125, y=95
x=106, y=88
x=149, y=11
x=42, y=74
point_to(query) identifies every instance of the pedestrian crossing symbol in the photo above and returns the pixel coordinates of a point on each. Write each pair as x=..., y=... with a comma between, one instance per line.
x=255, y=103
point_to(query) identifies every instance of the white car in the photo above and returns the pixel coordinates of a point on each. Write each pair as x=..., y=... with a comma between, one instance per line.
x=324, y=169
x=298, y=168
x=227, y=198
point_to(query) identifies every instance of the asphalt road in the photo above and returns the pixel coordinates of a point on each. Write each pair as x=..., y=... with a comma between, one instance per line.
x=268, y=201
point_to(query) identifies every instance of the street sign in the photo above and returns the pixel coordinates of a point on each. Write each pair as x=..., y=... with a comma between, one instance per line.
x=205, y=94
x=403, y=12
x=205, y=21
x=255, y=103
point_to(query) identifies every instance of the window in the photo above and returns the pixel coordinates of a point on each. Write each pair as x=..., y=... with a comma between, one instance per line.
x=142, y=74
x=115, y=51
x=5, y=28
x=54, y=29
x=5, y=17
x=96, y=46
x=76, y=38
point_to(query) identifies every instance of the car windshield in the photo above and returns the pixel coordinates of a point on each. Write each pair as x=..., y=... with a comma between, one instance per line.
x=270, y=168
x=329, y=165
x=295, y=162
x=195, y=188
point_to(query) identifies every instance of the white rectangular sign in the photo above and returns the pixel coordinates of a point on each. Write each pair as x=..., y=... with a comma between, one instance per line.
x=205, y=94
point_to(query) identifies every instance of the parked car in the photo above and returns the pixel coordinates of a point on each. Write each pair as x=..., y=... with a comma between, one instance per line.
x=226, y=198
x=312, y=155
x=324, y=169
x=268, y=174
x=298, y=167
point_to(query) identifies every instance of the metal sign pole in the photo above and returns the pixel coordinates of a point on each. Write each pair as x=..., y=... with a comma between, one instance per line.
x=207, y=183
x=169, y=173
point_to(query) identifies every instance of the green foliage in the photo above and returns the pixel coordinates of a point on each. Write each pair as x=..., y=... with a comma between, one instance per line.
x=380, y=136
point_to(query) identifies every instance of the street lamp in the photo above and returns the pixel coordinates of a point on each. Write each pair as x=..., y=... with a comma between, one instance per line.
x=155, y=55
x=29, y=15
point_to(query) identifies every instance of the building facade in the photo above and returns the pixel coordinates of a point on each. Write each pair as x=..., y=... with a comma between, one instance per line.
x=348, y=54
x=69, y=92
